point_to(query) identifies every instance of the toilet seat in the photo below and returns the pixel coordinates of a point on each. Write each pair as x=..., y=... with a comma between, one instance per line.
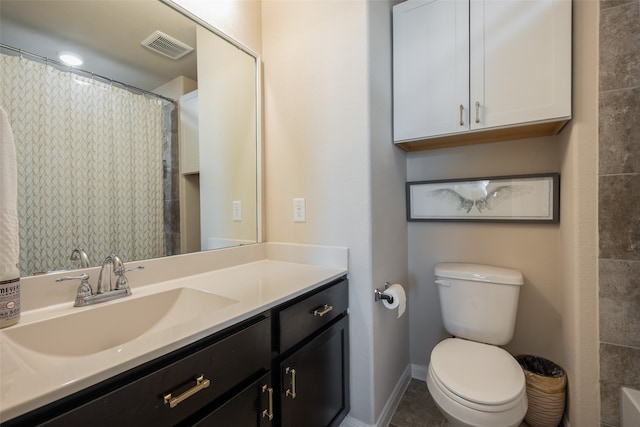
x=478, y=376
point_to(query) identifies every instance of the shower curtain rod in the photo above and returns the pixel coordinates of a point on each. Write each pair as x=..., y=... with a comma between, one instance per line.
x=93, y=75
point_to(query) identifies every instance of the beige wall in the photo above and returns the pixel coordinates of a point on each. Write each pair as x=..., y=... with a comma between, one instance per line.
x=239, y=19
x=316, y=147
x=579, y=224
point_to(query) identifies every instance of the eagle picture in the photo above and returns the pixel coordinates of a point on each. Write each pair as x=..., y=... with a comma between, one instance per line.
x=480, y=197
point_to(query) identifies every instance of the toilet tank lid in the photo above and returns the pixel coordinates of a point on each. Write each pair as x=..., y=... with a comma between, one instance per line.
x=478, y=273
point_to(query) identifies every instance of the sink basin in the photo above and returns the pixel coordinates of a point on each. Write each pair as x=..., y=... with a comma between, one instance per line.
x=111, y=325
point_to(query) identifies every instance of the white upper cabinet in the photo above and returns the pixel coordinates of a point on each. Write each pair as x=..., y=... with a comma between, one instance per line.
x=471, y=71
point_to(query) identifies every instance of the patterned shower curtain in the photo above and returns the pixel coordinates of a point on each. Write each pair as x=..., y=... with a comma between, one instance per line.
x=89, y=166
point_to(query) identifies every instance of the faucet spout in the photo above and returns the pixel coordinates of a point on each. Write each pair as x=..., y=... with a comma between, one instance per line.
x=116, y=266
x=79, y=254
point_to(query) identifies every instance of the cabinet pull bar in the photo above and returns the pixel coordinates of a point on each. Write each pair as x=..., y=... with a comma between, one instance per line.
x=477, y=112
x=322, y=310
x=201, y=383
x=292, y=391
x=268, y=413
x=461, y=113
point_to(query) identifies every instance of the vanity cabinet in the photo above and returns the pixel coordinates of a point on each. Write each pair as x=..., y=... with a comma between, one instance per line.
x=471, y=71
x=313, y=380
x=285, y=367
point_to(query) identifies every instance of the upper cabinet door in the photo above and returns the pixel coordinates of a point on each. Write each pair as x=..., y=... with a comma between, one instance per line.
x=471, y=71
x=520, y=70
x=430, y=68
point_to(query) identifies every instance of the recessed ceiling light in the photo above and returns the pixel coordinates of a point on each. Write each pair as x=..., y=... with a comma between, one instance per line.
x=70, y=58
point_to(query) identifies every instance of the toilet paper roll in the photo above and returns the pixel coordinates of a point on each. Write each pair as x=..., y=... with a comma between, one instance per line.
x=399, y=298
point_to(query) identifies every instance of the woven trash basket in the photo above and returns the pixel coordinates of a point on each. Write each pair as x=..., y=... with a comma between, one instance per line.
x=546, y=391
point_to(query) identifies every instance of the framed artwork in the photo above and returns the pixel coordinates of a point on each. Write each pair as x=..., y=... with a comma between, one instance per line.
x=518, y=198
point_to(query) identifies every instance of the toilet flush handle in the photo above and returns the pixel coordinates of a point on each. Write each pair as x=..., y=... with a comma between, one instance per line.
x=443, y=282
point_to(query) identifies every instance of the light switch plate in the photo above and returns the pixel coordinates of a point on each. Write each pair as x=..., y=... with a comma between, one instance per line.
x=299, y=210
x=237, y=210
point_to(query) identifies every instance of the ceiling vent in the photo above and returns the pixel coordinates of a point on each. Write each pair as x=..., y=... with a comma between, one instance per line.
x=166, y=45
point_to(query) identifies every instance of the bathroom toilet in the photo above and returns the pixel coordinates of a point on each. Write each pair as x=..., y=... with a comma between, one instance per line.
x=474, y=382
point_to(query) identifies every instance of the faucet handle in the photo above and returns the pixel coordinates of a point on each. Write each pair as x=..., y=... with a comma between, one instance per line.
x=121, y=281
x=84, y=290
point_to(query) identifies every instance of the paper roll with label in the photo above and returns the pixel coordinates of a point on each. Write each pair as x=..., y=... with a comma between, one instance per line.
x=399, y=298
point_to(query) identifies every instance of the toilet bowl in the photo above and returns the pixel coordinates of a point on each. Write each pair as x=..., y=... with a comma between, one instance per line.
x=474, y=382
x=476, y=385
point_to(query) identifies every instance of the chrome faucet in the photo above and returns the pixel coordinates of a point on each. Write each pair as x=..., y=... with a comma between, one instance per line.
x=85, y=294
x=116, y=267
x=79, y=254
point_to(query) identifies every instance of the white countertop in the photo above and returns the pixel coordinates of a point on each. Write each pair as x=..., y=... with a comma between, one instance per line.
x=30, y=379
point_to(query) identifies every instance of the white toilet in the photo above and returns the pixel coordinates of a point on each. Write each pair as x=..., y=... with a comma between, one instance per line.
x=472, y=381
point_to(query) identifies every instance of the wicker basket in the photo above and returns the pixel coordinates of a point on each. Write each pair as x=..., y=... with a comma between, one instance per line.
x=546, y=391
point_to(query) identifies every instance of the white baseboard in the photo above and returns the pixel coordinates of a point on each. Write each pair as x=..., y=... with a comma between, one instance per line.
x=419, y=372
x=352, y=422
x=390, y=407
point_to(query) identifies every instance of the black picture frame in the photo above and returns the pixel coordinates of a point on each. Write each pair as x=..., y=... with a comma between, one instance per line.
x=532, y=198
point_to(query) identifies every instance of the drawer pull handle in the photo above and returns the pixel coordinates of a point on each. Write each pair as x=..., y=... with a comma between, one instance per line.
x=461, y=115
x=201, y=383
x=268, y=413
x=321, y=311
x=477, y=112
x=292, y=391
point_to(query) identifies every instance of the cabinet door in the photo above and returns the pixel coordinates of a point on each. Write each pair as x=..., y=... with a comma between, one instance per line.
x=430, y=68
x=314, y=381
x=253, y=406
x=520, y=67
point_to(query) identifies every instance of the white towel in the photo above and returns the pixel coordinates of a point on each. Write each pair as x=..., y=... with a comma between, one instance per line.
x=9, y=240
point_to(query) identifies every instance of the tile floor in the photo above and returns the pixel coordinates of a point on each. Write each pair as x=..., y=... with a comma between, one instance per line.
x=417, y=409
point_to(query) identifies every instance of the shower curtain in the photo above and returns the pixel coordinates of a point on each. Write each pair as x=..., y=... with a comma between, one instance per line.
x=89, y=166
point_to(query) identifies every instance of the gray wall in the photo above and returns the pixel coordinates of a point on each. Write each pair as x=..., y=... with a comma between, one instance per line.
x=619, y=203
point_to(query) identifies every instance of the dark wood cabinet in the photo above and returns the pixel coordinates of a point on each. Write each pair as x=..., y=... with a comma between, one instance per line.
x=253, y=406
x=314, y=388
x=313, y=366
x=286, y=367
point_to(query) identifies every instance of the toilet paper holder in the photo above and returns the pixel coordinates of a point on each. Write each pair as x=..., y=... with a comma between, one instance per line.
x=380, y=295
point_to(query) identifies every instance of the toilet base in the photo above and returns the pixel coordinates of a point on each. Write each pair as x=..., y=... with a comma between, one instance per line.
x=459, y=415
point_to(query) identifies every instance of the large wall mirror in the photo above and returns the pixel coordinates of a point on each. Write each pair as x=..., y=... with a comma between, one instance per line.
x=149, y=148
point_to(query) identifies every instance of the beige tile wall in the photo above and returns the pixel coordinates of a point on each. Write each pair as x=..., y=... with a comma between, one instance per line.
x=619, y=203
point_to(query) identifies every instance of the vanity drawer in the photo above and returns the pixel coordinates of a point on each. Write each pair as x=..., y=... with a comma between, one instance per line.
x=310, y=314
x=225, y=364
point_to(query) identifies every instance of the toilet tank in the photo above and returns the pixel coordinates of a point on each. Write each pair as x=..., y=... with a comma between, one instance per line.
x=478, y=302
